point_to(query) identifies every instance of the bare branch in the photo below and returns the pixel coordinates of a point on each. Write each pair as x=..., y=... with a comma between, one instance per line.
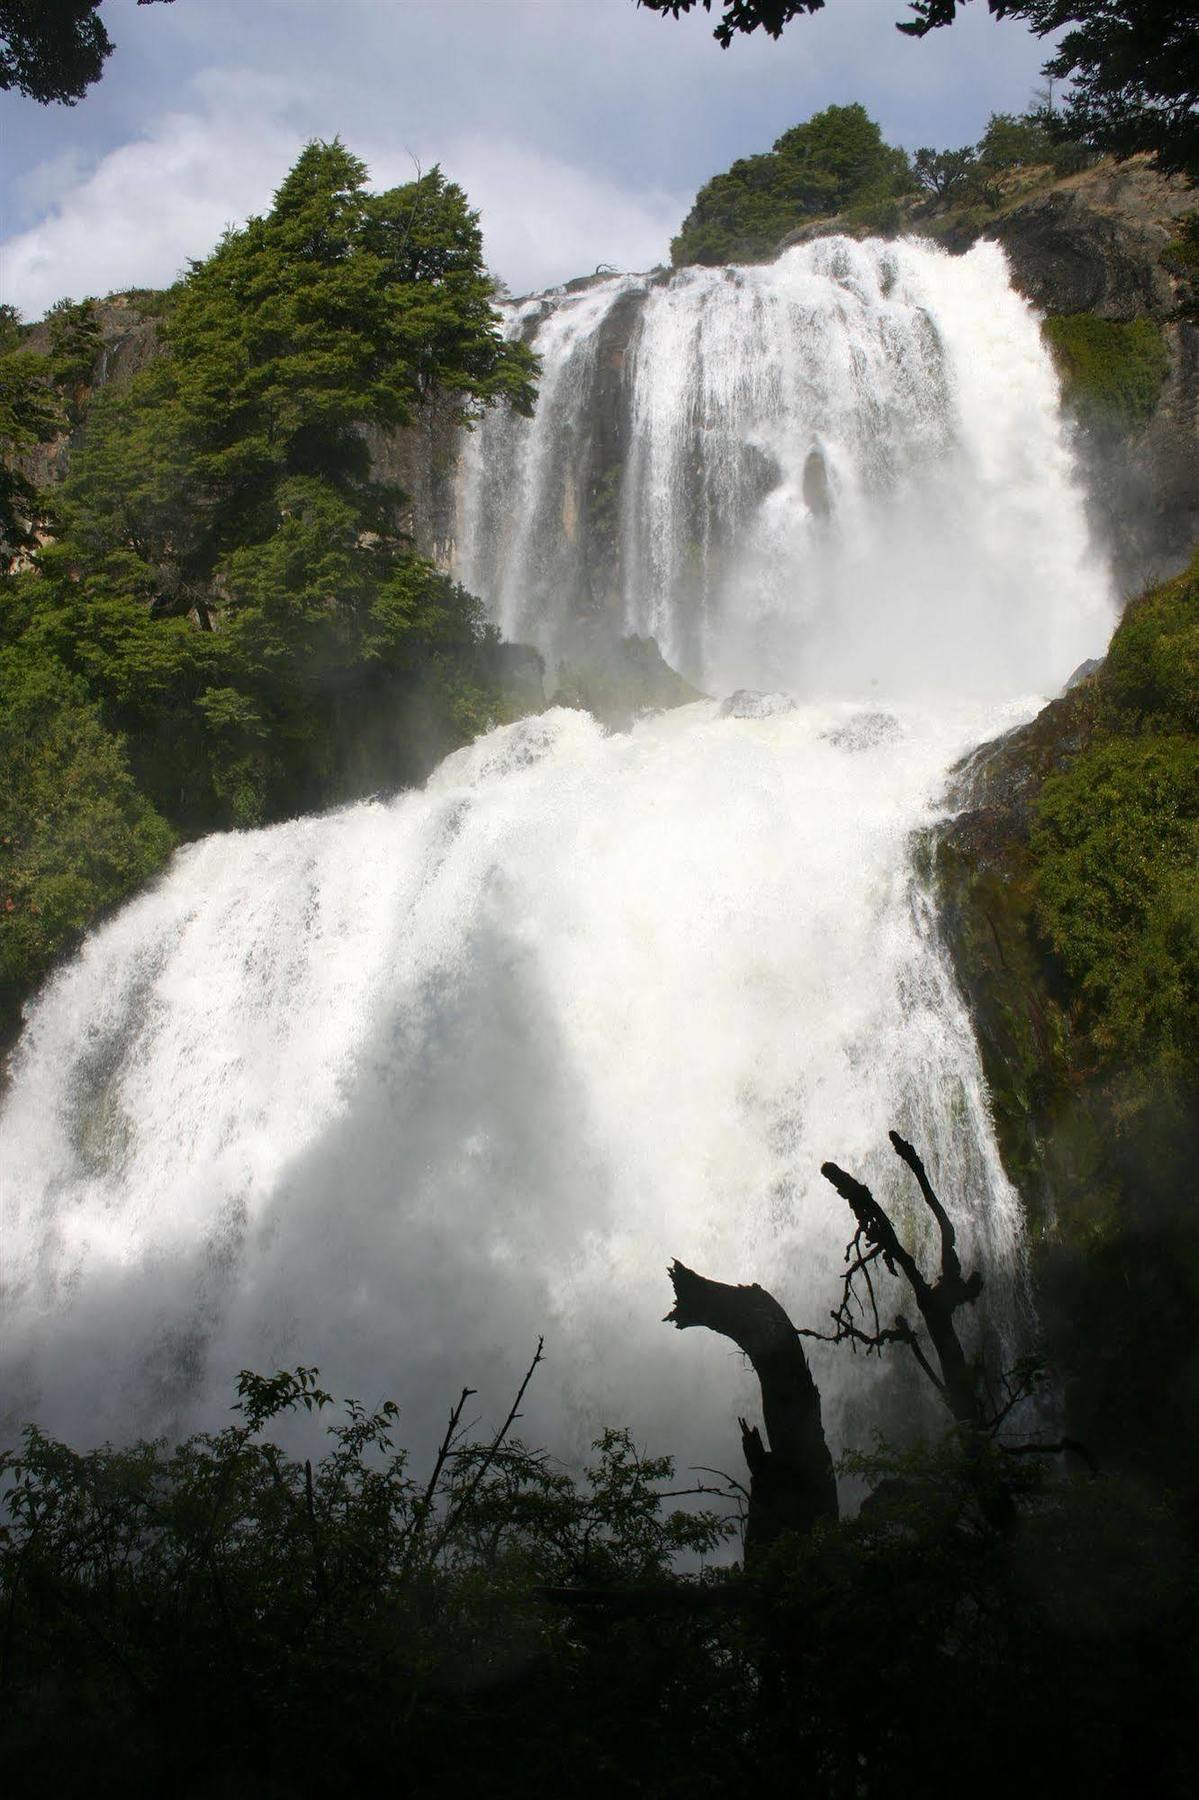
x=488, y=1457
x=1060, y=1447
x=425, y=1505
x=950, y=1265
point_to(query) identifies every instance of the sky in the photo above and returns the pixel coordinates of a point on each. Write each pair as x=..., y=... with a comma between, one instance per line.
x=580, y=129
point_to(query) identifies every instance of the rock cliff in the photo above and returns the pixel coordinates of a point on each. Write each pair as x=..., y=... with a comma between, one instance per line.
x=1099, y=1128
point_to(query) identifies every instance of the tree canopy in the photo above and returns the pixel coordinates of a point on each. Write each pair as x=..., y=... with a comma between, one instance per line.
x=54, y=49
x=836, y=159
x=1133, y=65
x=228, y=616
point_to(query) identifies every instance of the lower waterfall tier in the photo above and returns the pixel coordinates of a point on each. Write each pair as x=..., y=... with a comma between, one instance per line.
x=397, y=1089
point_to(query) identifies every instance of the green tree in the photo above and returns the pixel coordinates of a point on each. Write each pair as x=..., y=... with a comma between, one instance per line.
x=232, y=580
x=1014, y=141
x=76, y=835
x=836, y=159
x=944, y=173
x=53, y=49
x=30, y=414
x=74, y=347
x=339, y=309
x=229, y=624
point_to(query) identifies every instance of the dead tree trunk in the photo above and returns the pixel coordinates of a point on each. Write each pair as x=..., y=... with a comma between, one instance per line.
x=938, y=1301
x=792, y=1485
x=949, y=1369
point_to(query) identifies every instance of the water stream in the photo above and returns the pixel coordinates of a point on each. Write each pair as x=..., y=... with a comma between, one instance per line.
x=396, y=1089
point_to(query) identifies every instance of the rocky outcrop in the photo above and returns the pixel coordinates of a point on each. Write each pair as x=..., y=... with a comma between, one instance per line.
x=1102, y=1146
x=1143, y=485
x=1093, y=242
x=620, y=682
x=422, y=461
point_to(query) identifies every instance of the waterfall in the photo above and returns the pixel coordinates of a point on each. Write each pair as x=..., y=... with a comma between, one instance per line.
x=397, y=1089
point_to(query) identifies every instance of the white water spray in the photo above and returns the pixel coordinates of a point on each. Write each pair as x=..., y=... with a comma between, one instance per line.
x=396, y=1089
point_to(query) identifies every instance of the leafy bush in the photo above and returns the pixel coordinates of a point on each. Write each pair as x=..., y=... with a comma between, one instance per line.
x=222, y=1616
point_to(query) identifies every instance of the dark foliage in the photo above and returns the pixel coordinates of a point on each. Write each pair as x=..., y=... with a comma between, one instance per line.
x=222, y=1617
x=53, y=49
x=225, y=1618
x=769, y=16
x=835, y=160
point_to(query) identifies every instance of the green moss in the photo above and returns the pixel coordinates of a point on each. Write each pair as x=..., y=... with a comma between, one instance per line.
x=1116, y=893
x=1112, y=374
x=1151, y=676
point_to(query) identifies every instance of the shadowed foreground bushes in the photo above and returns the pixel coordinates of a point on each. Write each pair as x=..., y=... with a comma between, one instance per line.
x=222, y=1618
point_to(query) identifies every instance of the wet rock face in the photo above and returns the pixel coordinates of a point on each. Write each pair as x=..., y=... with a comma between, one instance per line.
x=1144, y=489
x=619, y=682
x=1102, y=1151
x=422, y=460
x=129, y=343
x=1068, y=256
x=746, y=703
x=1093, y=244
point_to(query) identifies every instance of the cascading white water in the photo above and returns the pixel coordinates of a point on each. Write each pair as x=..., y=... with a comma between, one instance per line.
x=839, y=472
x=398, y=1088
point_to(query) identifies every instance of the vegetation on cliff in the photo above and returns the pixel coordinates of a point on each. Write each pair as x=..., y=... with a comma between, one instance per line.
x=1112, y=373
x=836, y=165
x=229, y=595
x=1072, y=903
x=836, y=159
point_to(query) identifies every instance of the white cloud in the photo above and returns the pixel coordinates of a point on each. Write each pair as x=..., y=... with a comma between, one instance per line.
x=149, y=205
x=580, y=128
x=152, y=203
x=544, y=220
x=37, y=189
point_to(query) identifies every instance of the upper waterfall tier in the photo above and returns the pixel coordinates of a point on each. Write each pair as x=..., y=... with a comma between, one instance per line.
x=841, y=473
